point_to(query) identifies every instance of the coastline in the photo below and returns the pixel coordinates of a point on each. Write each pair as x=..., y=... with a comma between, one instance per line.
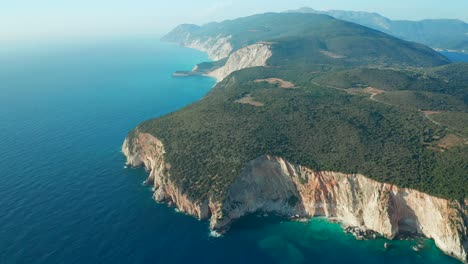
x=212, y=209
x=167, y=191
x=268, y=182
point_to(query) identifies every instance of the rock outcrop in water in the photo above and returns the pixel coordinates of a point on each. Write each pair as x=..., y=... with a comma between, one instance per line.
x=272, y=184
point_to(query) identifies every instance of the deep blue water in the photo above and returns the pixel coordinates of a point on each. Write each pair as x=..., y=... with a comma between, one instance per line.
x=65, y=196
x=455, y=56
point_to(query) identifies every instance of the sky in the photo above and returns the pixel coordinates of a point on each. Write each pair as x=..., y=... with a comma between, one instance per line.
x=36, y=19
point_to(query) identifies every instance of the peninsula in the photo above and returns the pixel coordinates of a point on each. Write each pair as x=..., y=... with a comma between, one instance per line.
x=315, y=116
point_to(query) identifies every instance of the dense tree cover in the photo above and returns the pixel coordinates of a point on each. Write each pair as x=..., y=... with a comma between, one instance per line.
x=320, y=124
x=424, y=101
x=384, y=79
x=454, y=120
x=210, y=141
x=449, y=79
x=304, y=37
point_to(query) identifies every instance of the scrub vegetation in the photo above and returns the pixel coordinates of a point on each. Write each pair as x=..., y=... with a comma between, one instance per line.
x=323, y=123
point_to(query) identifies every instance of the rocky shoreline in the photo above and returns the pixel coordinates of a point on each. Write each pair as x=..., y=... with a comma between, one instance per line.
x=361, y=233
x=272, y=185
x=366, y=208
x=251, y=56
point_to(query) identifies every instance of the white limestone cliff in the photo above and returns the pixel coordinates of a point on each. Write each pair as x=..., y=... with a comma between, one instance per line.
x=217, y=48
x=247, y=57
x=271, y=184
x=220, y=47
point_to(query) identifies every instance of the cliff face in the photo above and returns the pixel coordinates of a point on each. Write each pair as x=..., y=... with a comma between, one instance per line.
x=148, y=151
x=247, y=57
x=271, y=184
x=275, y=185
x=217, y=48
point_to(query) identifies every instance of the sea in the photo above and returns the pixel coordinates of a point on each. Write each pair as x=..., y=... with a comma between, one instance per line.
x=66, y=196
x=455, y=56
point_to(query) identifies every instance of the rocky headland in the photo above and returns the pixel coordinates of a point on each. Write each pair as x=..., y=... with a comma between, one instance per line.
x=273, y=185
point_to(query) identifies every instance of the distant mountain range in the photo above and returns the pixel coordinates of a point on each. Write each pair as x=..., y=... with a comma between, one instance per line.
x=307, y=39
x=440, y=34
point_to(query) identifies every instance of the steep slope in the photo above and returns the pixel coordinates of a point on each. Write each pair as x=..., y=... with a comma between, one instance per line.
x=197, y=157
x=447, y=34
x=318, y=38
x=275, y=136
x=272, y=184
x=247, y=57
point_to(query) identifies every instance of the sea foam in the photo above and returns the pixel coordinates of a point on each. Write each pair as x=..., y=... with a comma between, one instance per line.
x=215, y=234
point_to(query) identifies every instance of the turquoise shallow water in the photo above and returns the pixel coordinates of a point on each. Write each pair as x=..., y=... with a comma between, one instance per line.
x=66, y=197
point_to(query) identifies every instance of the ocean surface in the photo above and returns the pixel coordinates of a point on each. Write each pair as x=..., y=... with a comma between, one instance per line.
x=65, y=196
x=455, y=56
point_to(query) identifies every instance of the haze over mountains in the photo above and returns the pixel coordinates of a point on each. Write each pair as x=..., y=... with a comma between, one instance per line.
x=302, y=40
x=444, y=34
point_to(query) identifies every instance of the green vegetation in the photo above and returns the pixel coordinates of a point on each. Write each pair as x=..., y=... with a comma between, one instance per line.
x=209, y=142
x=321, y=125
x=437, y=33
x=423, y=101
x=449, y=79
x=384, y=79
x=453, y=120
x=302, y=38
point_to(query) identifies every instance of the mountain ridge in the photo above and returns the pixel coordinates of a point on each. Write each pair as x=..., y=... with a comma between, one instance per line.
x=444, y=34
x=353, y=43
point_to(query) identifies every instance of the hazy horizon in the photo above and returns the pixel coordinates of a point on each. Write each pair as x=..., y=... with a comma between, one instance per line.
x=26, y=20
